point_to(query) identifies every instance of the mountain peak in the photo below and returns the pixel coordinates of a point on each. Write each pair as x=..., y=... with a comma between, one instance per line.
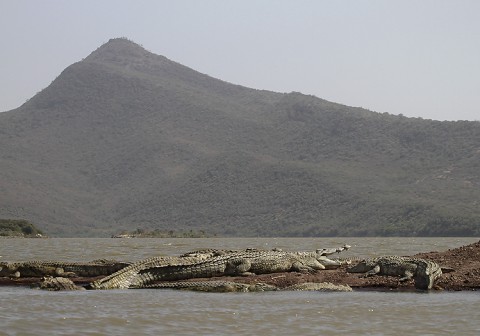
x=128, y=139
x=119, y=50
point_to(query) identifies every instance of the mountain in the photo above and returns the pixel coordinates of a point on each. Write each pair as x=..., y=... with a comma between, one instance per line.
x=126, y=139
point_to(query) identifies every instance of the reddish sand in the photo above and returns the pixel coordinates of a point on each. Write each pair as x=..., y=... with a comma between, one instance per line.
x=465, y=261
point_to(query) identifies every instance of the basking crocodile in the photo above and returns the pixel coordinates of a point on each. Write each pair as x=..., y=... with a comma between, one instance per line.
x=137, y=275
x=57, y=284
x=424, y=272
x=214, y=286
x=319, y=287
x=60, y=268
x=239, y=263
x=230, y=286
x=64, y=284
x=124, y=277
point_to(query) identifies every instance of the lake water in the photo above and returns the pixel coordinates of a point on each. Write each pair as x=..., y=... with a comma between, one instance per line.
x=24, y=311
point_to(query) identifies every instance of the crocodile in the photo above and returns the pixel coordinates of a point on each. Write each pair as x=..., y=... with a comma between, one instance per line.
x=38, y=268
x=231, y=286
x=57, y=284
x=214, y=286
x=319, y=287
x=64, y=284
x=424, y=272
x=210, y=252
x=239, y=263
x=134, y=275
x=122, y=278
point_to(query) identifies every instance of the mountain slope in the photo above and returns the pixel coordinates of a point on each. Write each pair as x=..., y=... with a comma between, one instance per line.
x=126, y=139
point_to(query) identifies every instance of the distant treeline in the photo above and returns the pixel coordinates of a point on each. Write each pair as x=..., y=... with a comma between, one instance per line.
x=142, y=233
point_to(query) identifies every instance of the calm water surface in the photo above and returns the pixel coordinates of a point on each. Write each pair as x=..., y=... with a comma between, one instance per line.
x=166, y=312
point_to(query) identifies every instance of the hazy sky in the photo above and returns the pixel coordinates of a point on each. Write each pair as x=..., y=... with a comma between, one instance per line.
x=416, y=58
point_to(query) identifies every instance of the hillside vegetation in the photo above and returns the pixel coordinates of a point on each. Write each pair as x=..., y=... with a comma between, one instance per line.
x=18, y=228
x=126, y=139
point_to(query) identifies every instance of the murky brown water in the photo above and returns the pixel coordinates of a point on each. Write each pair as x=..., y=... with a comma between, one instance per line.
x=167, y=312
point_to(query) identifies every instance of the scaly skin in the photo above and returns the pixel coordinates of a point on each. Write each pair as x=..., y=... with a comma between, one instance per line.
x=229, y=286
x=137, y=274
x=55, y=268
x=65, y=284
x=240, y=263
x=57, y=284
x=424, y=272
x=319, y=287
x=123, y=278
x=214, y=286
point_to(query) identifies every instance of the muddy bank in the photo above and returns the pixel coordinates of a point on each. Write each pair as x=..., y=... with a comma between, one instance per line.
x=465, y=261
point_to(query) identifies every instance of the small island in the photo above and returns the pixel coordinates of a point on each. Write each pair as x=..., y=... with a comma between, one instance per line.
x=19, y=228
x=144, y=233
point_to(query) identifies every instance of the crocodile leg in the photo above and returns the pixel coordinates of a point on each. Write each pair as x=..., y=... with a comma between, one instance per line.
x=373, y=271
x=408, y=275
x=239, y=266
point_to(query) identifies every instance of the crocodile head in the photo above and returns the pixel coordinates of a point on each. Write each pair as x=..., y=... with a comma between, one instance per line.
x=362, y=267
x=6, y=269
x=328, y=263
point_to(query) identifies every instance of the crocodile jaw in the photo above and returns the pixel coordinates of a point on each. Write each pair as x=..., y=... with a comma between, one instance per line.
x=328, y=263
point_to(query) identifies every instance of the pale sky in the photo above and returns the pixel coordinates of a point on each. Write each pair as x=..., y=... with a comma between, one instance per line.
x=410, y=57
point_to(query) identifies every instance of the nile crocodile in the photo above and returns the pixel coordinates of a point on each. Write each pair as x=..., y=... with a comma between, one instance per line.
x=57, y=284
x=123, y=278
x=424, y=272
x=60, y=268
x=230, y=286
x=137, y=274
x=214, y=286
x=64, y=284
x=319, y=287
x=239, y=263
